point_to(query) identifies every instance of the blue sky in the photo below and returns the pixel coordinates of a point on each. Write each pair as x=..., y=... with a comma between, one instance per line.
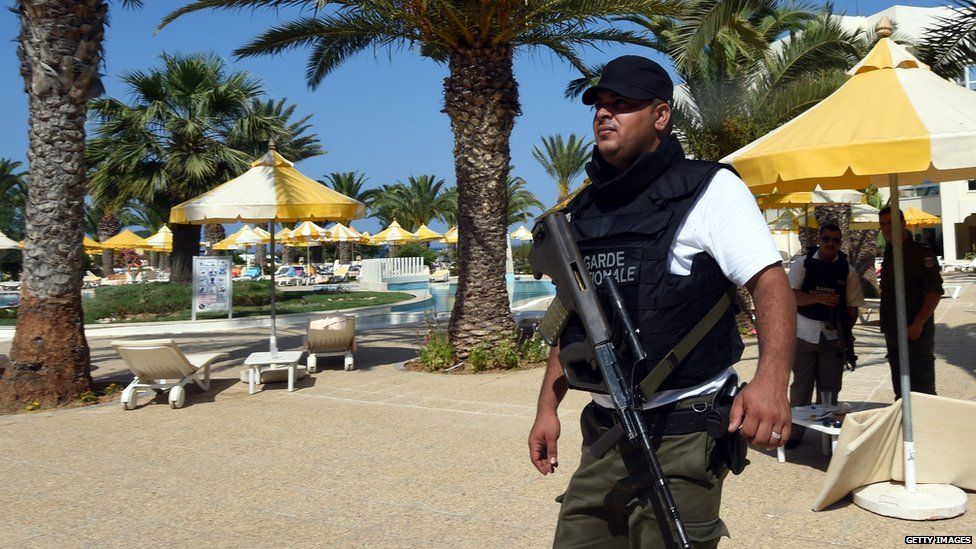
x=378, y=114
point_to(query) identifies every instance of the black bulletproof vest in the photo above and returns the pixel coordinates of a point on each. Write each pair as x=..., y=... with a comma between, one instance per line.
x=628, y=236
x=822, y=277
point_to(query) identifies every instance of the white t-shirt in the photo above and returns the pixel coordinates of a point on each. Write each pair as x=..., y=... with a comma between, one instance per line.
x=809, y=329
x=726, y=223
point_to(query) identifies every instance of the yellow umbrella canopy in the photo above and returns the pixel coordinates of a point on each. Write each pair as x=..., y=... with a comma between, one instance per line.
x=424, y=234
x=307, y=231
x=366, y=238
x=272, y=190
x=162, y=241
x=451, y=236
x=893, y=116
x=89, y=244
x=816, y=197
x=341, y=233
x=521, y=233
x=126, y=240
x=915, y=217
x=394, y=234
x=245, y=236
x=283, y=236
x=863, y=217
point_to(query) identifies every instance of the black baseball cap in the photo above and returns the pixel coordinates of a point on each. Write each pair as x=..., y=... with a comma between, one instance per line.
x=634, y=77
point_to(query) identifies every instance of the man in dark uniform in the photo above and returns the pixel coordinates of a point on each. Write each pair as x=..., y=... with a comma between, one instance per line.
x=675, y=234
x=923, y=289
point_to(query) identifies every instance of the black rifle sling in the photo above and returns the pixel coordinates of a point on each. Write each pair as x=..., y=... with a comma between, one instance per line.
x=648, y=386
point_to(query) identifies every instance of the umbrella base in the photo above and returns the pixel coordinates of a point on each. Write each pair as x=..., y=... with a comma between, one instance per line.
x=928, y=502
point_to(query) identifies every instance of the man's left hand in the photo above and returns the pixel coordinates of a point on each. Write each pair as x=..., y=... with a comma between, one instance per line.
x=915, y=330
x=760, y=410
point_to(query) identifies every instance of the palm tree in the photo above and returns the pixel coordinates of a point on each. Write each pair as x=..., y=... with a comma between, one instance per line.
x=13, y=198
x=292, y=139
x=563, y=160
x=415, y=203
x=351, y=185
x=739, y=81
x=60, y=50
x=949, y=46
x=520, y=201
x=478, y=42
x=193, y=126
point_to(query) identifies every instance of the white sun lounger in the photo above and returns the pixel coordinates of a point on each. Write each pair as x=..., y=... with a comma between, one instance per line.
x=334, y=335
x=159, y=364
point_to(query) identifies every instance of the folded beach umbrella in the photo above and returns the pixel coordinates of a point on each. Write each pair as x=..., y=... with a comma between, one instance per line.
x=521, y=233
x=162, y=241
x=272, y=191
x=126, y=240
x=893, y=122
x=424, y=234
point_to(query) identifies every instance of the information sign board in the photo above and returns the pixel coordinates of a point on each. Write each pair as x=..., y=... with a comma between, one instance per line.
x=212, y=288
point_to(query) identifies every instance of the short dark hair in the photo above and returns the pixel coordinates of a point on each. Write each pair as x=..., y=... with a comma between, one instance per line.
x=832, y=227
x=887, y=211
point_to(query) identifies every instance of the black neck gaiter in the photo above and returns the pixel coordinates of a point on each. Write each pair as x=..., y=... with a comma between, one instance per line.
x=635, y=179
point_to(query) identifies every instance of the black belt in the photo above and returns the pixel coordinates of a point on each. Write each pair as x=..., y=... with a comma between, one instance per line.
x=667, y=421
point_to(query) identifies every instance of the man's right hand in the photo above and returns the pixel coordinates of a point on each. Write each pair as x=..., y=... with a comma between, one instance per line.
x=542, y=442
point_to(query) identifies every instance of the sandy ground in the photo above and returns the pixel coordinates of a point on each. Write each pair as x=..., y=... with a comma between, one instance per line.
x=385, y=457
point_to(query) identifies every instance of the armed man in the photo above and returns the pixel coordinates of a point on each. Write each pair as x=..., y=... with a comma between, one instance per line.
x=676, y=235
x=828, y=293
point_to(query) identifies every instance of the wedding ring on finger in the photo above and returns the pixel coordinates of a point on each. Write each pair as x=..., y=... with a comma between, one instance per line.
x=776, y=436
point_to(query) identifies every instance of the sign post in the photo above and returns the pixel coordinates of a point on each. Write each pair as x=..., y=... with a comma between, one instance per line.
x=212, y=288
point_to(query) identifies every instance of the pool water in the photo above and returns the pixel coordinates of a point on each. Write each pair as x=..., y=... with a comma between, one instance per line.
x=8, y=300
x=442, y=296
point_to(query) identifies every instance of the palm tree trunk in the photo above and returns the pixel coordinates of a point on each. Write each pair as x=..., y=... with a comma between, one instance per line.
x=186, y=244
x=481, y=98
x=59, y=50
x=345, y=252
x=108, y=226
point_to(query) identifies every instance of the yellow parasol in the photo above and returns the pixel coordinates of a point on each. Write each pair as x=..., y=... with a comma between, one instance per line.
x=126, y=240
x=162, y=241
x=394, y=234
x=451, y=236
x=894, y=122
x=424, y=234
x=341, y=233
x=915, y=217
x=521, y=233
x=90, y=245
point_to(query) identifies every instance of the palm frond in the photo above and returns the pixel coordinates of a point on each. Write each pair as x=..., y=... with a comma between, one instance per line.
x=949, y=46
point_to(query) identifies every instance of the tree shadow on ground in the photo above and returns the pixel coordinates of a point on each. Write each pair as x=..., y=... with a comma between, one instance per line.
x=955, y=345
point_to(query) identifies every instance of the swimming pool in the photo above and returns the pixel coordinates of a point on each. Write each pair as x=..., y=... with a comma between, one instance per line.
x=442, y=296
x=8, y=300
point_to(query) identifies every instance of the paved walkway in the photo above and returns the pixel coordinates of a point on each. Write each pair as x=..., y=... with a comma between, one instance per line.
x=385, y=457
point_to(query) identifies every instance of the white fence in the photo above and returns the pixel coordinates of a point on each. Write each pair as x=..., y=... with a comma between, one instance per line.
x=381, y=270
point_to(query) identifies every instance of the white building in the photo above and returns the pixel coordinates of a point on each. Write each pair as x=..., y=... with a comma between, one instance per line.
x=955, y=201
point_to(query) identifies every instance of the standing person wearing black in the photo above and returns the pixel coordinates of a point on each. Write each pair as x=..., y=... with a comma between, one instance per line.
x=923, y=290
x=675, y=234
x=825, y=286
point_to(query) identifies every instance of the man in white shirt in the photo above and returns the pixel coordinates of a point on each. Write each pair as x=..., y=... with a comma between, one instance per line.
x=826, y=287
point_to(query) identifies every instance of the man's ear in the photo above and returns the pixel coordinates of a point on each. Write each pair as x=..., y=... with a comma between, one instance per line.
x=662, y=117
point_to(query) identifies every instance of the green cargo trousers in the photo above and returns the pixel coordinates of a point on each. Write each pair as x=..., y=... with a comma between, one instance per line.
x=609, y=500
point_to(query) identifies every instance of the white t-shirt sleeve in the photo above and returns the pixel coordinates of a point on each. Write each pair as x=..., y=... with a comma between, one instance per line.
x=797, y=272
x=726, y=223
x=855, y=294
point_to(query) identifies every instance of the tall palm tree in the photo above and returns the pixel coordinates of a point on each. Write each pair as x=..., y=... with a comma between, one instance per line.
x=193, y=125
x=477, y=41
x=422, y=199
x=59, y=48
x=292, y=137
x=949, y=46
x=521, y=201
x=563, y=160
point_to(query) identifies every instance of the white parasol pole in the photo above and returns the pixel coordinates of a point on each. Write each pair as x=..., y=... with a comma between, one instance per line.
x=901, y=315
x=274, y=332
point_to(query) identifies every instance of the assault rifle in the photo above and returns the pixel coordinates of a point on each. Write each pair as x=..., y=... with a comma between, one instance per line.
x=595, y=364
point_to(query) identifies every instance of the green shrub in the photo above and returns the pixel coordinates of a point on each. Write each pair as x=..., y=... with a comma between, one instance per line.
x=534, y=349
x=416, y=249
x=166, y=298
x=505, y=354
x=479, y=358
x=436, y=353
x=254, y=293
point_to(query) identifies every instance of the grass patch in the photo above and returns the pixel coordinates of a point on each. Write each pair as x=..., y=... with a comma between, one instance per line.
x=170, y=301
